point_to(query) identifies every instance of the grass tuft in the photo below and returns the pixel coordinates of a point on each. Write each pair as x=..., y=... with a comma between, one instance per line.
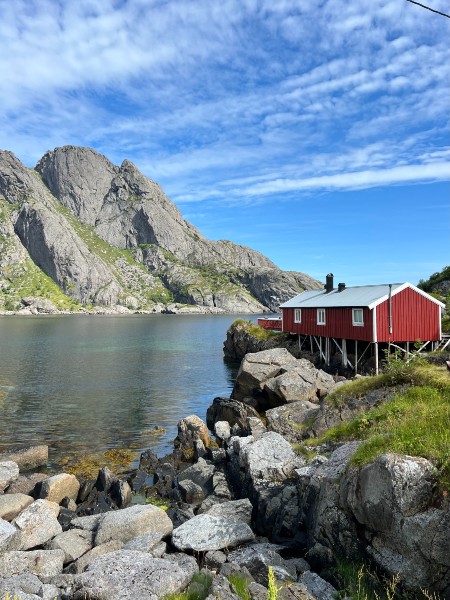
x=415, y=422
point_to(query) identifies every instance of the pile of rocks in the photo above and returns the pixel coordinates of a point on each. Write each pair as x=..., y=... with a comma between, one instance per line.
x=238, y=505
x=47, y=551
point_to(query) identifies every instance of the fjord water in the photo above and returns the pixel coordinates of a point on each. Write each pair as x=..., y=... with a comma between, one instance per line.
x=84, y=384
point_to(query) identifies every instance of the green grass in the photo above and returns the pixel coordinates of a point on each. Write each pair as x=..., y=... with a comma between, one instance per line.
x=415, y=422
x=27, y=279
x=197, y=590
x=253, y=329
x=358, y=581
x=240, y=585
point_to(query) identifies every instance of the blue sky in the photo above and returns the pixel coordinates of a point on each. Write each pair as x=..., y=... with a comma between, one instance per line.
x=314, y=131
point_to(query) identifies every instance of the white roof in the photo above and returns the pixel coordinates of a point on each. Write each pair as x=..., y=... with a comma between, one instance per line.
x=361, y=296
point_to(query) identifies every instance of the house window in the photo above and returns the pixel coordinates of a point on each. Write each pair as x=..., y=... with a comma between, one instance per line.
x=320, y=316
x=298, y=315
x=357, y=317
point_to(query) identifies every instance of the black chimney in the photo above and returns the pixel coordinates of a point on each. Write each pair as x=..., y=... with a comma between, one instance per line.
x=329, y=283
x=341, y=287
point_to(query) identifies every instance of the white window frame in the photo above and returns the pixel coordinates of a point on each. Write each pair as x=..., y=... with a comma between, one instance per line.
x=356, y=322
x=321, y=316
x=297, y=315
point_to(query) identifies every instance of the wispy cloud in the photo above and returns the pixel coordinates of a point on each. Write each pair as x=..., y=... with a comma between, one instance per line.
x=233, y=102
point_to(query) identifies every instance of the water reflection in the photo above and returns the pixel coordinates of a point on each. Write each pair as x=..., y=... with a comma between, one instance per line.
x=93, y=383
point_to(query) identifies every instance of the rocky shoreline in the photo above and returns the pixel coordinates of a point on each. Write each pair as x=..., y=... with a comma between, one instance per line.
x=41, y=306
x=240, y=502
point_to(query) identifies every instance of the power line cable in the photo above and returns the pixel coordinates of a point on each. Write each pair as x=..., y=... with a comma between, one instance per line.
x=429, y=8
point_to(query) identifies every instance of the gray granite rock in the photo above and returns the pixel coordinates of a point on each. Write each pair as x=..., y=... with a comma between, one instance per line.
x=201, y=473
x=270, y=457
x=257, y=369
x=9, y=536
x=11, y=505
x=206, y=532
x=234, y=510
x=89, y=523
x=26, y=484
x=129, y=574
x=80, y=565
x=128, y=523
x=258, y=557
x=74, y=543
x=191, y=493
x=43, y=563
x=57, y=487
x=222, y=589
x=147, y=543
x=294, y=420
x=38, y=524
x=222, y=430
x=9, y=472
x=318, y=587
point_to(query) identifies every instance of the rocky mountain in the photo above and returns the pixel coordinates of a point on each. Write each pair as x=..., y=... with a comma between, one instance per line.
x=79, y=231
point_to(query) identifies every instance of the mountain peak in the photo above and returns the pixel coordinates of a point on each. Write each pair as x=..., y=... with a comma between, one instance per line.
x=122, y=240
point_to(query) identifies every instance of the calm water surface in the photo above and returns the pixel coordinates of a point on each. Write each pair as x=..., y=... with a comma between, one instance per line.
x=83, y=384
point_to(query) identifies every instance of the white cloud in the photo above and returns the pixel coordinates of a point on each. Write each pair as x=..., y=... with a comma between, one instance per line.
x=357, y=180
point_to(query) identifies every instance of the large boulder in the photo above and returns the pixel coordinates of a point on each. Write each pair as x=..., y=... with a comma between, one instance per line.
x=256, y=369
x=294, y=420
x=234, y=510
x=393, y=501
x=302, y=382
x=269, y=458
x=74, y=543
x=11, y=505
x=43, y=563
x=274, y=377
x=38, y=523
x=130, y=574
x=205, y=532
x=25, y=586
x=393, y=484
x=60, y=486
x=81, y=563
x=201, y=473
x=128, y=523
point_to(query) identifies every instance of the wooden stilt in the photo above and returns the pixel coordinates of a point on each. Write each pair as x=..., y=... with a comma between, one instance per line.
x=356, y=357
x=320, y=348
x=344, y=353
x=376, y=357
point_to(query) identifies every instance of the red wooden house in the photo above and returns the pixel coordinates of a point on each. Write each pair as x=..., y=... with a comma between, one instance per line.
x=397, y=314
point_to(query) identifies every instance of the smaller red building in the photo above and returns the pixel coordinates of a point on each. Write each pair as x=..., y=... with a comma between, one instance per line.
x=395, y=314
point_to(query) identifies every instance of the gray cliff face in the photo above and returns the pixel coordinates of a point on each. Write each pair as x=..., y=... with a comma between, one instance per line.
x=79, y=177
x=51, y=241
x=109, y=235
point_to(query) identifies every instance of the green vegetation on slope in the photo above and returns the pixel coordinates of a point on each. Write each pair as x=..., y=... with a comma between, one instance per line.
x=27, y=279
x=415, y=422
x=118, y=259
x=430, y=284
x=253, y=329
